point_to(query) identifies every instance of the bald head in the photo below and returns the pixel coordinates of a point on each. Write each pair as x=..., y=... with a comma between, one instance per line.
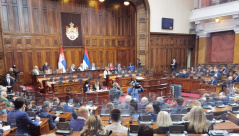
x=149, y=108
x=83, y=112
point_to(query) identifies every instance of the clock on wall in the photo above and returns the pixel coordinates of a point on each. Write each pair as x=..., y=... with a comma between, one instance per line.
x=167, y=23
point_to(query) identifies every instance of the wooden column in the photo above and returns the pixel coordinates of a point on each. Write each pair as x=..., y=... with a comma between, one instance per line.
x=203, y=49
x=236, y=48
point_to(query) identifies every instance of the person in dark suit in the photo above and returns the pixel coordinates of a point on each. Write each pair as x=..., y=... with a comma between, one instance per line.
x=177, y=110
x=115, y=93
x=8, y=82
x=79, y=122
x=228, y=83
x=235, y=77
x=225, y=70
x=97, y=85
x=199, y=70
x=118, y=66
x=45, y=67
x=184, y=74
x=150, y=110
x=130, y=66
x=67, y=108
x=20, y=119
x=44, y=113
x=162, y=104
x=224, y=97
x=174, y=65
x=163, y=122
x=93, y=67
x=86, y=86
x=11, y=73
x=217, y=74
x=213, y=81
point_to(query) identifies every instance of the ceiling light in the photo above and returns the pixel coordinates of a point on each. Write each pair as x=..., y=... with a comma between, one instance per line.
x=217, y=20
x=126, y=3
x=101, y=0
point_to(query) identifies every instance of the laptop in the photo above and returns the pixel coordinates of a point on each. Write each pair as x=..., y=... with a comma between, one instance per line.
x=133, y=130
x=145, y=119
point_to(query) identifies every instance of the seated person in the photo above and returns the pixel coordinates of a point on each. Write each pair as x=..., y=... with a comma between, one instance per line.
x=126, y=103
x=72, y=68
x=203, y=98
x=67, y=108
x=115, y=126
x=130, y=66
x=86, y=86
x=213, y=81
x=111, y=67
x=93, y=67
x=56, y=101
x=45, y=67
x=134, y=90
x=91, y=129
x=163, y=122
x=8, y=82
x=81, y=68
x=44, y=113
x=177, y=110
x=97, y=85
x=208, y=101
x=133, y=109
x=162, y=104
x=211, y=71
x=4, y=99
x=213, y=97
x=156, y=106
x=109, y=107
x=224, y=70
x=20, y=119
x=115, y=93
x=36, y=71
x=217, y=74
x=145, y=130
x=192, y=70
x=197, y=115
x=224, y=97
x=144, y=101
x=235, y=77
x=191, y=104
x=229, y=82
x=28, y=105
x=199, y=70
x=184, y=74
x=120, y=70
x=79, y=122
x=150, y=110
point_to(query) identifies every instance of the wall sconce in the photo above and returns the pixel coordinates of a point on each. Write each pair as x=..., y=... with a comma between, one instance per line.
x=126, y=3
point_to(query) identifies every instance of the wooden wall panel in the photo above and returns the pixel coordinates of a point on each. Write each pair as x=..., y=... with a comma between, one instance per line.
x=31, y=33
x=165, y=47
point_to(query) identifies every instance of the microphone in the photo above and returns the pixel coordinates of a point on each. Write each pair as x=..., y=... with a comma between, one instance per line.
x=110, y=132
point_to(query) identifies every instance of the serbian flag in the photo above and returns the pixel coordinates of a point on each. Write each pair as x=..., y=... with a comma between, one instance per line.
x=62, y=61
x=86, y=60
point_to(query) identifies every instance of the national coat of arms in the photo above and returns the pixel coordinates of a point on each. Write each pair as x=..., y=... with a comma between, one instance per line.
x=72, y=32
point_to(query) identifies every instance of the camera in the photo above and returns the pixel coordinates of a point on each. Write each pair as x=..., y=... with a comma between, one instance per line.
x=136, y=84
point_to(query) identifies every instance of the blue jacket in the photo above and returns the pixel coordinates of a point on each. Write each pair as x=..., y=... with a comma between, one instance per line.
x=131, y=67
x=183, y=75
x=67, y=108
x=134, y=93
x=236, y=79
x=43, y=114
x=153, y=116
x=21, y=120
x=177, y=110
x=77, y=124
x=90, y=68
x=199, y=70
x=218, y=75
x=214, y=82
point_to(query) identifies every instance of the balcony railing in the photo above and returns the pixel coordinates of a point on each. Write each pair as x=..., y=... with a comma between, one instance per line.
x=207, y=3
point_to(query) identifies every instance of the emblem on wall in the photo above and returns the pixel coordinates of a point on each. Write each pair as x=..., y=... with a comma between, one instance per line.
x=72, y=32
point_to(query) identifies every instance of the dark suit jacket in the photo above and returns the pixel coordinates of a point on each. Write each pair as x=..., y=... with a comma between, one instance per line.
x=90, y=68
x=183, y=75
x=213, y=82
x=5, y=83
x=153, y=116
x=45, y=68
x=236, y=79
x=218, y=75
x=94, y=88
x=21, y=120
x=67, y=108
x=77, y=124
x=174, y=67
x=177, y=110
x=51, y=122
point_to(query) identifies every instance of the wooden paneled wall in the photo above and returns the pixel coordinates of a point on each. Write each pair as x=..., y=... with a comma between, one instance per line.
x=31, y=33
x=165, y=47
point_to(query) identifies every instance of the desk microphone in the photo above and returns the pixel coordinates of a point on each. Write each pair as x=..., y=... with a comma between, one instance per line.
x=110, y=132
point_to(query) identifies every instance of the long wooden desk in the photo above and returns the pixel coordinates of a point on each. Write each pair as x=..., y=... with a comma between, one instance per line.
x=63, y=117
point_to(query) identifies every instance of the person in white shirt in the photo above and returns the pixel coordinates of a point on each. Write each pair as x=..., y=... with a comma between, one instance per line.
x=81, y=68
x=115, y=126
x=106, y=72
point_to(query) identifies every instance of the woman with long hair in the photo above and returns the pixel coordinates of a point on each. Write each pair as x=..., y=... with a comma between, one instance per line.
x=93, y=127
x=198, y=123
x=97, y=85
x=109, y=107
x=4, y=99
x=190, y=106
x=163, y=122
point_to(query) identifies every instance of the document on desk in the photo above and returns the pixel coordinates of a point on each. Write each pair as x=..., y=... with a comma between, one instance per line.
x=39, y=122
x=57, y=119
x=6, y=128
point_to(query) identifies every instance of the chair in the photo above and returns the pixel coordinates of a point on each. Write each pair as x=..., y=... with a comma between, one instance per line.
x=64, y=128
x=61, y=77
x=104, y=112
x=31, y=114
x=80, y=79
x=145, y=119
x=70, y=81
x=70, y=101
x=70, y=76
x=59, y=81
x=231, y=102
x=59, y=110
x=220, y=104
x=89, y=78
x=78, y=76
x=235, y=110
x=176, y=117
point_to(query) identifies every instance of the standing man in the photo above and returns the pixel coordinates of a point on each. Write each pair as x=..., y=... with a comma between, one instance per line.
x=115, y=93
x=174, y=65
x=8, y=82
x=134, y=90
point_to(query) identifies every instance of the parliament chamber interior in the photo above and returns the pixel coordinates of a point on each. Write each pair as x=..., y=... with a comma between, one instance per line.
x=119, y=67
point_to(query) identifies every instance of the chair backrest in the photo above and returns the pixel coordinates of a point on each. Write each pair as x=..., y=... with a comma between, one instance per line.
x=218, y=103
x=176, y=128
x=59, y=109
x=145, y=118
x=63, y=125
x=31, y=114
x=59, y=71
x=236, y=108
x=125, y=112
x=78, y=76
x=209, y=117
x=231, y=101
x=176, y=117
x=184, y=111
x=133, y=128
x=77, y=105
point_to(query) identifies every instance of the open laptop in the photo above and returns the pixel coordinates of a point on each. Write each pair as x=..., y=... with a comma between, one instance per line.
x=176, y=119
x=133, y=130
x=145, y=119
